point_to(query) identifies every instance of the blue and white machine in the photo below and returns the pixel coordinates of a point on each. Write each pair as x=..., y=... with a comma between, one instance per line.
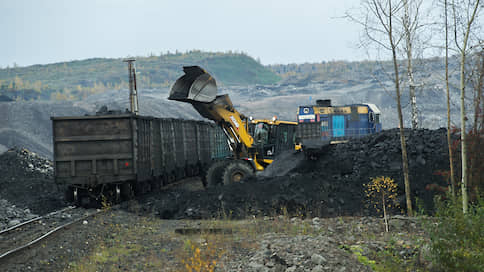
x=335, y=122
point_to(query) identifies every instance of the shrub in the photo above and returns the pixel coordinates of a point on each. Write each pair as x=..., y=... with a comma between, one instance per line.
x=456, y=239
x=201, y=258
x=382, y=192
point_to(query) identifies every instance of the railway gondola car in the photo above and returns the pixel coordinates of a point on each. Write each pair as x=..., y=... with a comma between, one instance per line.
x=116, y=156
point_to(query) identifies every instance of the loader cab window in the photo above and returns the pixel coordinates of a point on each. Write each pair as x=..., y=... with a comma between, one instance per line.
x=284, y=137
x=261, y=133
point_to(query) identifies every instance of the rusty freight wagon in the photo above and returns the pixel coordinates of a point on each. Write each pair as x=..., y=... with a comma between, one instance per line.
x=116, y=156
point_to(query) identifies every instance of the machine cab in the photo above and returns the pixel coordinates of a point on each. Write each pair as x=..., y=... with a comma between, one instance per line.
x=272, y=136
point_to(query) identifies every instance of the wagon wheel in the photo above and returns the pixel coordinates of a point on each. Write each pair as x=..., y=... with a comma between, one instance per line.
x=127, y=191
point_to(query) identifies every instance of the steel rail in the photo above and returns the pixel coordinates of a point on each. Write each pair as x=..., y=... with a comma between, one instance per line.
x=42, y=237
x=36, y=219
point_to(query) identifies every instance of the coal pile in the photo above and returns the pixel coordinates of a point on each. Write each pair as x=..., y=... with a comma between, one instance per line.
x=328, y=182
x=11, y=215
x=26, y=182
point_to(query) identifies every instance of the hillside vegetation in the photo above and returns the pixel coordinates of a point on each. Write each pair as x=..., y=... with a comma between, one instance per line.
x=355, y=71
x=77, y=79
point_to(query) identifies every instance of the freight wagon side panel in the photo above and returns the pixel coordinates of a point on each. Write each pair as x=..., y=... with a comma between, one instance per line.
x=93, y=150
x=179, y=146
x=156, y=152
x=143, y=133
x=168, y=146
x=203, y=142
x=190, y=148
x=218, y=144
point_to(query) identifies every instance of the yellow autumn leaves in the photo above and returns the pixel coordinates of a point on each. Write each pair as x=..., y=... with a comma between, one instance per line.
x=201, y=261
x=381, y=191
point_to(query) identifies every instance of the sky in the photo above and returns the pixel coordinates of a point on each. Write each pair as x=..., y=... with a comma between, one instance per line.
x=282, y=31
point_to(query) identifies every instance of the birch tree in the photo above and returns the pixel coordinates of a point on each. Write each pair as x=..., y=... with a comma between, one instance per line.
x=381, y=25
x=410, y=23
x=449, y=138
x=463, y=26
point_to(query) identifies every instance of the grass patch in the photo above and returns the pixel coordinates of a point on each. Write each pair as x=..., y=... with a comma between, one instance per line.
x=125, y=248
x=151, y=244
x=456, y=239
x=78, y=79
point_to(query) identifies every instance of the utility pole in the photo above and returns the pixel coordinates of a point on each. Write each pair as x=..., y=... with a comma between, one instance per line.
x=133, y=91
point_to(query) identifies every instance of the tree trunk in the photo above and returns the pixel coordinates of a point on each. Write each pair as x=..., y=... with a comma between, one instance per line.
x=384, y=210
x=480, y=91
x=449, y=138
x=463, y=133
x=478, y=95
x=474, y=145
x=400, y=117
x=411, y=82
x=463, y=118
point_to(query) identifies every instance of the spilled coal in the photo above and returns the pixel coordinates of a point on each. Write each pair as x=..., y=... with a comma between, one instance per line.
x=327, y=182
x=27, y=182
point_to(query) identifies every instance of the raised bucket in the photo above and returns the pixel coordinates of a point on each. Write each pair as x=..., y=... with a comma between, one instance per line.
x=196, y=85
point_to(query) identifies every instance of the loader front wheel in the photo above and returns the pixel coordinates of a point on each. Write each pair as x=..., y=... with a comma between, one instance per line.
x=236, y=171
x=213, y=175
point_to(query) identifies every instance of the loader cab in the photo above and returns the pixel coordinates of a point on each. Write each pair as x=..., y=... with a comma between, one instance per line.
x=261, y=133
x=271, y=137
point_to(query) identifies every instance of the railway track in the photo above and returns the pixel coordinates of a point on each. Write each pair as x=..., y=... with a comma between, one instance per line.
x=26, y=234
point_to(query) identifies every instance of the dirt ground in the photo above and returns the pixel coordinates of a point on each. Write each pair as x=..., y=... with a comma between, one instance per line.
x=313, y=218
x=124, y=240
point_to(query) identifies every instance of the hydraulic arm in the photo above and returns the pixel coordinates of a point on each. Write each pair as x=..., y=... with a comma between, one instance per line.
x=199, y=88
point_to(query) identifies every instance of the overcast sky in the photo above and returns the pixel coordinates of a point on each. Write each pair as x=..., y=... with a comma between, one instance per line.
x=281, y=31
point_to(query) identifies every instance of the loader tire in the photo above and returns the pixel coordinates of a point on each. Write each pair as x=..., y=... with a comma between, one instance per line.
x=237, y=171
x=213, y=175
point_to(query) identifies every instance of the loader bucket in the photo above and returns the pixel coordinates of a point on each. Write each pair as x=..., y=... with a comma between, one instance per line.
x=196, y=85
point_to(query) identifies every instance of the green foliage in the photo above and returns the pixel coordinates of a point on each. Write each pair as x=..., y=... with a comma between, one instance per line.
x=419, y=207
x=389, y=258
x=78, y=79
x=346, y=72
x=456, y=240
x=358, y=251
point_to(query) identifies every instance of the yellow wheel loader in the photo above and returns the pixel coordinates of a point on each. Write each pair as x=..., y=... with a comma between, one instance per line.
x=254, y=143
